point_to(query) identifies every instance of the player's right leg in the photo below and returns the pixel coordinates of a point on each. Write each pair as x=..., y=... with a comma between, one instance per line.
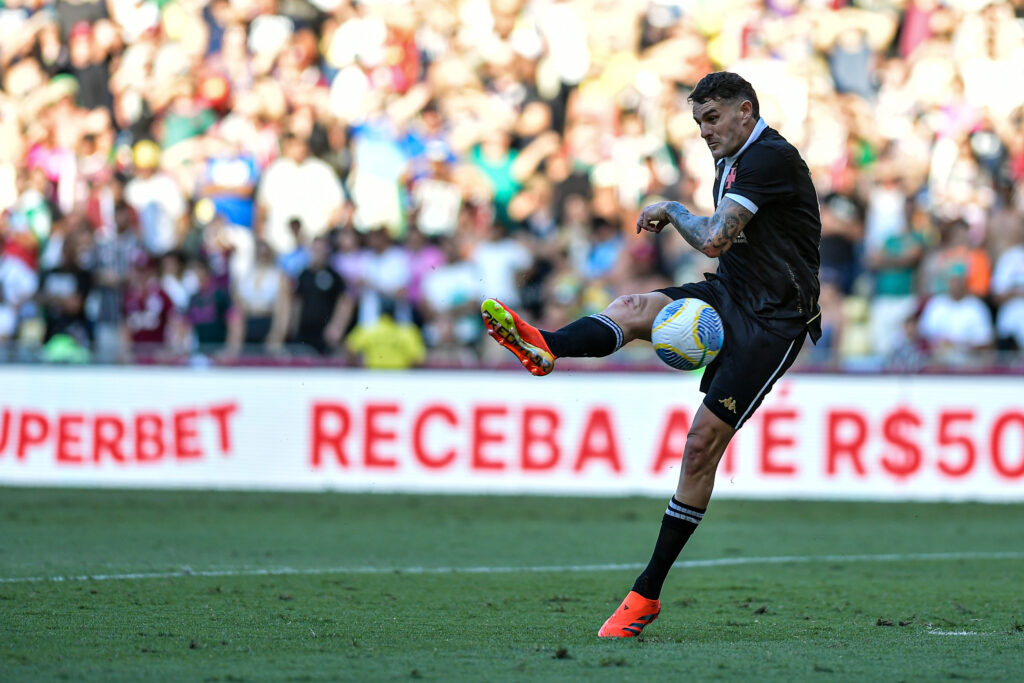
x=626, y=318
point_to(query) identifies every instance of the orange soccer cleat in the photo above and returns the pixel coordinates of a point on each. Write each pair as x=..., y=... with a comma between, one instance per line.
x=522, y=339
x=629, y=619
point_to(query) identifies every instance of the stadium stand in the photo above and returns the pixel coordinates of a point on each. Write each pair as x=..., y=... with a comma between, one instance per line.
x=166, y=165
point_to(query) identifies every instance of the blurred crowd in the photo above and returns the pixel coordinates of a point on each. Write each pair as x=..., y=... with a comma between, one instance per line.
x=343, y=181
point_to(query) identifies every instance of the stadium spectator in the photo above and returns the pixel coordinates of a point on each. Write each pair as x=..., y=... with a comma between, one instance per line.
x=886, y=212
x=501, y=260
x=88, y=61
x=261, y=301
x=19, y=277
x=958, y=249
x=1008, y=292
x=506, y=169
x=208, y=309
x=156, y=198
x=348, y=255
x=175, y=280
x=450, y=294
x=894, y=265
x=424, y=257
x=387, y=344
x=229, y=181
x=323, y=308
x=150, y=321
x=436, y=198
x=825, y=352
x=853, y=40
x=842, y=228
x=383, y=277
x=63, y=291
x=32, y=211
x=296, y=185
x=114, y=257
x=956, y=325
x=295, y=261
x=606, y=248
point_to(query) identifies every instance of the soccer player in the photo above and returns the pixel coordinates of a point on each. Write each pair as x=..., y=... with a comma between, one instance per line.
x=765, y=233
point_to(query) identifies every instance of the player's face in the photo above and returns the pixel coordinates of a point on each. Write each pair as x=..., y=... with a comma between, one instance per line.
x=723, y=125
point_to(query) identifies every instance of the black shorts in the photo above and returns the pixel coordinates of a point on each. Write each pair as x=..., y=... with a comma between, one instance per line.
x=751, y=360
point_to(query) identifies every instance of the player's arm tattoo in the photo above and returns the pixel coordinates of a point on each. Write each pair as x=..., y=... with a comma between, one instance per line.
x=714, y=234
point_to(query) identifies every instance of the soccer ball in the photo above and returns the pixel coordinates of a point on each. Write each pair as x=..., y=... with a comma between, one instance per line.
x=687, y=334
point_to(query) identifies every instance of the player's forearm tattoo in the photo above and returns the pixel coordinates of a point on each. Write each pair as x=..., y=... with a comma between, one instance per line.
x=710, y=233
x=694, y=229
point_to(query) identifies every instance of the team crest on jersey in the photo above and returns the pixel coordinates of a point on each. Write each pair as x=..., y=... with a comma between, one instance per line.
x=731, y=178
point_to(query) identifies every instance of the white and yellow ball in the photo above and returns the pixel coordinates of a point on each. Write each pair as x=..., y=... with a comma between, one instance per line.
x=687, y=334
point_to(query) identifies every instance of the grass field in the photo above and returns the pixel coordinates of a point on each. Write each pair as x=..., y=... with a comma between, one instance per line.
x=231, y=587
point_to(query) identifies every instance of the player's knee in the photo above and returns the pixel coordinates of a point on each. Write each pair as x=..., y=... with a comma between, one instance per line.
x=625, y=305
x=634, y=313
x=701, y=454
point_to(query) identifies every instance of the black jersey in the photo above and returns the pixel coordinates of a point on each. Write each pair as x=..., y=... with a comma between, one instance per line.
x=771, y=270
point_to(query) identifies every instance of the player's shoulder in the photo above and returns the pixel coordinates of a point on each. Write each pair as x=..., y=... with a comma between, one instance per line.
x=771, y=156
x=770, y=145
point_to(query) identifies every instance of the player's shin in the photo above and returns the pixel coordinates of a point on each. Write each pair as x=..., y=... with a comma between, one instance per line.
x=677, y=525
x=593, y=336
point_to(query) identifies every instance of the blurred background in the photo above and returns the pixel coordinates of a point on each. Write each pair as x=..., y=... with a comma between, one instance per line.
x=320, y=182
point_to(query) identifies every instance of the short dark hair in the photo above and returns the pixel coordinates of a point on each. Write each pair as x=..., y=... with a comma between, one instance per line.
x=725, y=86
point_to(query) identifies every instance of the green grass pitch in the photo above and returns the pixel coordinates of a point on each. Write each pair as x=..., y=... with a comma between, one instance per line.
x=215, y=586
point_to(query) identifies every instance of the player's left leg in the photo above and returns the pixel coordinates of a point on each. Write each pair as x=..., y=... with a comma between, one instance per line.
x=705, y=444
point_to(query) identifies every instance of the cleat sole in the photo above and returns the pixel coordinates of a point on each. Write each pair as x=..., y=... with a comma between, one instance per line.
x=502, y=328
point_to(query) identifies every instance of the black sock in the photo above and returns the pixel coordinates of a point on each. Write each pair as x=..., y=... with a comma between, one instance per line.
x=593, y=336
x=677, y=525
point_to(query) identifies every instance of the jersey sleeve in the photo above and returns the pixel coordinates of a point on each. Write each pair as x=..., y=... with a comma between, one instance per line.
x=763, y=175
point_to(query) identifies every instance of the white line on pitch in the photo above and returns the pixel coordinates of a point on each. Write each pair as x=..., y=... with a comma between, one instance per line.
x=717, y=562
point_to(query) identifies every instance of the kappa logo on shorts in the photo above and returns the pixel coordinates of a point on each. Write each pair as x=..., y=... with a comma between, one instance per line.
x=729, y=403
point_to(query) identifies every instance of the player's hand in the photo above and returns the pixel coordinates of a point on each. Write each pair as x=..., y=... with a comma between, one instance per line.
x=653, y=218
